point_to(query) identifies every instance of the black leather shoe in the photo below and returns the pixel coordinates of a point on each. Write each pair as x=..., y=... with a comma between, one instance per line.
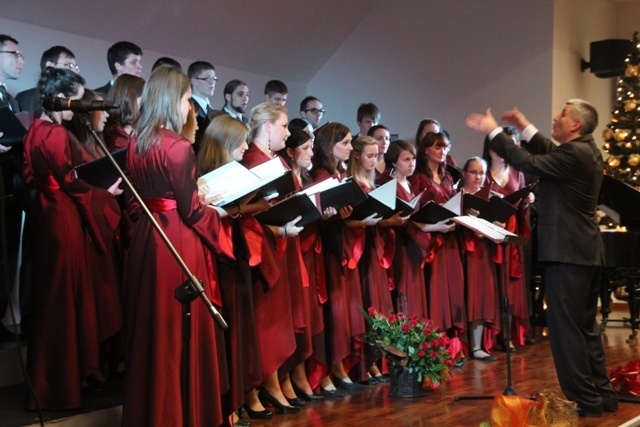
x=332, y=393
x=265, y=414
x=369, y=381
x=589, y=411
x=296, y=401
x=382, y=379
x=268, y=399
x=610, y=405
x=347, y=386
x=304, y=396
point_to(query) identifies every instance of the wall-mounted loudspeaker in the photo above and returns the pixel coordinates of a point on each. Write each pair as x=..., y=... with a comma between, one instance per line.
x=607, y=57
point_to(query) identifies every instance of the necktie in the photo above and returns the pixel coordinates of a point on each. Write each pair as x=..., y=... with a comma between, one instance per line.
x=7, y=100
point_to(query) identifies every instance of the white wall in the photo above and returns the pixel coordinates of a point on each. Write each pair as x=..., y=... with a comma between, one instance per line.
x=91, y=55
x=417, y=59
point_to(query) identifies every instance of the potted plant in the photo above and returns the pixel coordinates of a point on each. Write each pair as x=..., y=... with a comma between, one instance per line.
x=416, y=350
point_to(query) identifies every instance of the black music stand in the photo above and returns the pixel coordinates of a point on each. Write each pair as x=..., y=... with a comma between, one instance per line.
x=509, y=390
x=185, y=292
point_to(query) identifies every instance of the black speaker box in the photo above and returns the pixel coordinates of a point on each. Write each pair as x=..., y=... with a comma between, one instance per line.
x=607, y=57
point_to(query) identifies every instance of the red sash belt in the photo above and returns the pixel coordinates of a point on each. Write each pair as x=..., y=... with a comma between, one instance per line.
x=157, y=204
x=48, y=183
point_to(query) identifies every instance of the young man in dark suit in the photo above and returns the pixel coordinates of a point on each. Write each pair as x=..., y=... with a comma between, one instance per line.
x=569, y=240
x=123, y=58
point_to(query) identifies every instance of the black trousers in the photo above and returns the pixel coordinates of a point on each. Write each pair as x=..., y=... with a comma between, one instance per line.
x=572, y=296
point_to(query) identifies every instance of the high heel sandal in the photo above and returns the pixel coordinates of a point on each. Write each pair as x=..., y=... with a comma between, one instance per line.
x=304, y=396
x=265, y=414
x=266, y=397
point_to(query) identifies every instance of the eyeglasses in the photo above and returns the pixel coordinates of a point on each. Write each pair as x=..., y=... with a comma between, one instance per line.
x=314, y=110
x=207, y=79
x=71, y=66
x=15, y=53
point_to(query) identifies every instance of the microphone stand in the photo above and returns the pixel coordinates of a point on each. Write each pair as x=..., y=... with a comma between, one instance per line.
x=185, y=293
x=509, y=390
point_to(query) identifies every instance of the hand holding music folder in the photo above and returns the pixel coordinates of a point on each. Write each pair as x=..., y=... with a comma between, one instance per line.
x=288, y=209
x=101, y=172
x=432, y=212
x=233, y=181
x=495, y=209
x=381, y=201
x=336, y=194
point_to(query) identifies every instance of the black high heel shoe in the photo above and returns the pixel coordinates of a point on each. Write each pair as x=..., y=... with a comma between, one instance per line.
x=267, y=398
x=257, y=415
x=304, y=396
x=296, y=401
x=340, y=383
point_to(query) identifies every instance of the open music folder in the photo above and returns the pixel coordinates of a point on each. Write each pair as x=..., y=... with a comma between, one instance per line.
x=433, y=212
x=299, y=204
x=337, y=194
x=233, y=181
x=381, y=201
x=486, y=229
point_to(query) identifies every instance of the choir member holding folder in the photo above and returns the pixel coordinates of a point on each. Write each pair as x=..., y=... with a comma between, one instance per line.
x=106, y=274
x=443, y=268
x=504, y=180
x=275, y=317
x=68, y=218
x=223, y=141
x=483, y=309
x=411, y=242
x=162, y=167
x=308, y=298
x=344, y=323
x=378, y=244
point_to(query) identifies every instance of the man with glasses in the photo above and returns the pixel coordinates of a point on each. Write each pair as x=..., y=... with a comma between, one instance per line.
x=203, y=79
x=311, y=110
x=123, y=58
x=57, y=57
x=11, y=62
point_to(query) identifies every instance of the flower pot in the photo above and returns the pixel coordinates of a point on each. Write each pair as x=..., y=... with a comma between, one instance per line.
x=404, y=384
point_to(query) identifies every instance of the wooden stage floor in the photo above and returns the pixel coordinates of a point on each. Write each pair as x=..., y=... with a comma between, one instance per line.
x=532, y=371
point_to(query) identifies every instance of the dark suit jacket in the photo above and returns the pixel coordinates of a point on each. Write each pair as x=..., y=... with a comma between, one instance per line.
x=28, y=100
x=570, y=177
x=104, y=89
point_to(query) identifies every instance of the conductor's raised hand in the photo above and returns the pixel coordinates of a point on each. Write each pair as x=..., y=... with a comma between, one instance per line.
x=482, y=123
x=515, y=118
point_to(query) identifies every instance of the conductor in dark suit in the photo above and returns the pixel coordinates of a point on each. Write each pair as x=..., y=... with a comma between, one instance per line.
x=569, y=241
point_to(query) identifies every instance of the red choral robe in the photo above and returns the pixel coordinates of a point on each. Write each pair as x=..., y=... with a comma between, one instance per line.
x=445, y=274
x=271, y=295
x=69, y=216
x=513, y=255
x=411, y=248
x=344, y=323
x=115, y=137
x=166, y=180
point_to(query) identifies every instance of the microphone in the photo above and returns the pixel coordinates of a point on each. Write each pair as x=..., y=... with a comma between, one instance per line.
x=78, y=105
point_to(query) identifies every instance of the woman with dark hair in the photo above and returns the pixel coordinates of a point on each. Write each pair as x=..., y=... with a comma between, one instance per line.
x=381, y=134
x=443, y=267
x=106, y=274
x=502, y=180
x=225, y=140
x=68, y=217
x=310, y=348
x=162, y=168
x=344, y=324
x=274, y=276
x=483, y=309
x=411, y=242
x=126, y=92
x=425, y=126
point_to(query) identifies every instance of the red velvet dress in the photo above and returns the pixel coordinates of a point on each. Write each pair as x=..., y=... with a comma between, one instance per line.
x=69, y=217
x=115, y=137
x=444, y=271
x=481, y=283
x=411, y=249
x=271, y=295
x=513, y=255
x=166, y=180
x=243, y=356
x=344, y=322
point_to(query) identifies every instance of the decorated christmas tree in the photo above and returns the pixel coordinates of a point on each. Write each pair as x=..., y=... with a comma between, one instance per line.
x=621, y=134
